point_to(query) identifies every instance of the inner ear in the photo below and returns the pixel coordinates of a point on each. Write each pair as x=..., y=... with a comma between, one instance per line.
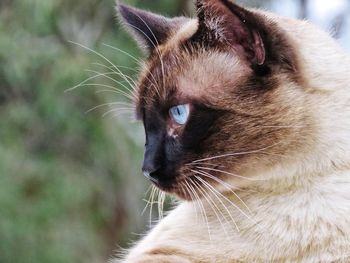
x=225, y=23
x=150, y=30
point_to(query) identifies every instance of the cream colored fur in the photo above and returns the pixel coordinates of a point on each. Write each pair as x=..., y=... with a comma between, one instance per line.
x=300, y=208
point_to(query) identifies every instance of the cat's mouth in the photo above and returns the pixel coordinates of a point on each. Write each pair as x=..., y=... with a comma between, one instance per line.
x=171, y=185
x=188, y=188
x=164, y=183
x=186, y=184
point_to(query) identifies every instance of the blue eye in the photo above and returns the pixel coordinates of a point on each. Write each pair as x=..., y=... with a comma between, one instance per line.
x=180, y=113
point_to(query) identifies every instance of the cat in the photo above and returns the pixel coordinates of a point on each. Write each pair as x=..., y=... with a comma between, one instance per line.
x=247, y=121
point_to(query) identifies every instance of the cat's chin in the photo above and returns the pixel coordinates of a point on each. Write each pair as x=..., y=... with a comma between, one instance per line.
x=176, y=190
x=183, y=195
x=181, y=189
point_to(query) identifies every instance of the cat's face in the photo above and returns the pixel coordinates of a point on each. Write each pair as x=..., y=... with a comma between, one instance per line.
x=220, y=97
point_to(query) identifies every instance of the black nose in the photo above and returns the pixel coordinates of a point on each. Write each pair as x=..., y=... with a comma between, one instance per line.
x=153, y=157
x=152, y=173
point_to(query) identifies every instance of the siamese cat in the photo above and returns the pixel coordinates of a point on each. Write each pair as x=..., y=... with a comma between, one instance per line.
x=247, y=121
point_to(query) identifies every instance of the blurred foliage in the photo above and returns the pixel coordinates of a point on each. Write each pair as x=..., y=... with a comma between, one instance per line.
x=70, y=186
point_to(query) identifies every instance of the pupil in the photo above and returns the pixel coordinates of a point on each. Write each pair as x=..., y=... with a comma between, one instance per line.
x=178, y=111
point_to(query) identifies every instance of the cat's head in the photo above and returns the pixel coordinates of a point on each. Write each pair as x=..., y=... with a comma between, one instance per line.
x=220, y=96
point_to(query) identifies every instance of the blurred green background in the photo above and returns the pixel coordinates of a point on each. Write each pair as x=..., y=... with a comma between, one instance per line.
x=70, y=183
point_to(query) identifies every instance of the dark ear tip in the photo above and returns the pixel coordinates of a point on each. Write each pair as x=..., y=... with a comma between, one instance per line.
x=125, y=13
x=122, y=8
x=128, y=13
x=119, y=3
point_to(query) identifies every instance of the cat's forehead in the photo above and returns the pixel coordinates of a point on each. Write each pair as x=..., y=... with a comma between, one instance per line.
x=187, y=30
x=210, y=74
x=177, y=75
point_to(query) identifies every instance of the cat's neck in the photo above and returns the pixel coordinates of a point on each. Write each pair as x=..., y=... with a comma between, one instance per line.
x=324, y=63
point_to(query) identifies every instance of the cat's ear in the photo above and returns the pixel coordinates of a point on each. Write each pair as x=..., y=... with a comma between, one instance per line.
x=222, y=21
x=150, y=30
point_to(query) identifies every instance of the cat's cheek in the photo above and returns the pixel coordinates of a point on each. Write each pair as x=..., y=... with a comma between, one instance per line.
x=174, y=130
x=172, y=133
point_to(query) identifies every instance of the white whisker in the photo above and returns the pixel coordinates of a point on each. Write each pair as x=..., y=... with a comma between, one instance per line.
x=226, y=185
x=106, y=75
x=222, y=203
x=135, y=59
x=120, y=73
x=185, y=189
x=111, y=68
x=110, y=88
x=234, y=154
x=233, y=204
x=138, y=61
x=154, y=189
x=228, y=173
x=108, y=104
x=205, y=218
x=161, y=199
x=146, y=200
x=83, y=83
x=214, y=207
x=203, y=163
x=100, y=55
x=118, y=111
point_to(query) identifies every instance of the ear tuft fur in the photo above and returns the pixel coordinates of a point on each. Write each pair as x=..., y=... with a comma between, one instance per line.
x=222, y=21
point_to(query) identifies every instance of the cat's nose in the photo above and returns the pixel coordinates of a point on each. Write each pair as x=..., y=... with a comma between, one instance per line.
x=151, y=165
x=151, y=173
x=153, y=157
